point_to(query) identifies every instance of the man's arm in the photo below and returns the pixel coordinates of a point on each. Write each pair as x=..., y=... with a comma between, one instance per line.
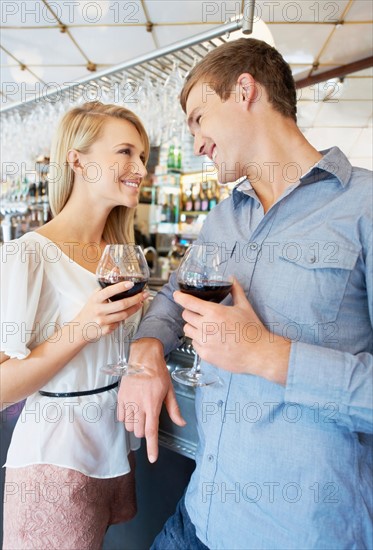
x=140, y=397
x=339, y=385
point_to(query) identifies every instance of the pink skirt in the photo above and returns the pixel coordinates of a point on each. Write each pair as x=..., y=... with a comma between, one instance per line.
x=47, y=507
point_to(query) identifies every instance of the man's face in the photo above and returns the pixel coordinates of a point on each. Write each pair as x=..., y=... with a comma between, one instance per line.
x=215, y=125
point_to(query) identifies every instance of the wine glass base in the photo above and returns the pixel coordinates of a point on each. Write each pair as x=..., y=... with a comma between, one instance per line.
x=195, y=379
x=116, y=369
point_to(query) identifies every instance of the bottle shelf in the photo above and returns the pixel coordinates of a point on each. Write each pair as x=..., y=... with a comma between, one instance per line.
x=193, y=212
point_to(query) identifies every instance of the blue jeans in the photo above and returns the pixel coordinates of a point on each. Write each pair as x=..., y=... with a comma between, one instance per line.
x=178, y=533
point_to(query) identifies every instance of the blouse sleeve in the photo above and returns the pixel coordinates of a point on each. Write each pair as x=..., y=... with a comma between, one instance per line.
x=21, y=282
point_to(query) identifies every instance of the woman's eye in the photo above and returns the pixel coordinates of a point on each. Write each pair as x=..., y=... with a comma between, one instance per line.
x=143, y=159
x=125, y=151
x=198, y=119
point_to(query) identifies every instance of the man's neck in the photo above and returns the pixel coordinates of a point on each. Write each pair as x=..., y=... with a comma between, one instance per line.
x=283, y=158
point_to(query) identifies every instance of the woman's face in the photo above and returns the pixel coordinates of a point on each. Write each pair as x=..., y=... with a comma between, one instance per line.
x=114, y=166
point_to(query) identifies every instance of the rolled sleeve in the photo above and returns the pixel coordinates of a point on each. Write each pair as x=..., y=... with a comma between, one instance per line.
x=163, y=319
x=339, y=384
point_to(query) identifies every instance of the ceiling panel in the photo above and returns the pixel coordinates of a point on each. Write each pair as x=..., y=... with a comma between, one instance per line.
x=50, y=45
x=300, y=43
x=29, y=13
x=300, y=71
x=357, y=89
x=100, y=12
x=368, y=73
x=361, y=10
x=62, y=75
x=344, y=114
x=366, y=162
x=11, y=89
x=170, y=35
x=363, y=145
x=283, y=11
x=113, y=45
x=349, y=43
x=187, y=11
x=323, y=138
x=307, y=112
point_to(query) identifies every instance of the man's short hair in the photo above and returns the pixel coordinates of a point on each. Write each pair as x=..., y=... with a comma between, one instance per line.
x=221, y=68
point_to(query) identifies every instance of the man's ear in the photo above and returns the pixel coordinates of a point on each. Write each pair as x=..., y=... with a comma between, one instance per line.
x=73, y=158
x=248, y=89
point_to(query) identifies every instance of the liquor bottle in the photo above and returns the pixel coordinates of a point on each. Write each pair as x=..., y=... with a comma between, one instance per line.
x=197, y=201
x=179, y=159
x=165, y=211
x=32, y=192
x=213, y=198
x=170, y=210
x=174, y=210
x=204, y=200
x=171, y=157
x=189, y=201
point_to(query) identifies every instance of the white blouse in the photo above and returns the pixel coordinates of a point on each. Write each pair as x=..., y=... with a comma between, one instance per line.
x=43, y=289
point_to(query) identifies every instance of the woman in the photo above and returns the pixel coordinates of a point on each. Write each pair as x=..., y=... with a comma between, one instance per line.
x=69, y=466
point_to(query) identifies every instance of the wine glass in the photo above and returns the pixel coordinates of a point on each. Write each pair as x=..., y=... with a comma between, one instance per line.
x=202, y=274
x=122, y=262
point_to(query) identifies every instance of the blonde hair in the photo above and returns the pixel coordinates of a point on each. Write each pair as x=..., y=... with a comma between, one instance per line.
x=221, y=68
x=79, y=129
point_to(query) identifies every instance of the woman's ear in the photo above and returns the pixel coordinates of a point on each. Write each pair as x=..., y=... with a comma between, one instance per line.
x=248, y=88
x=73, y=158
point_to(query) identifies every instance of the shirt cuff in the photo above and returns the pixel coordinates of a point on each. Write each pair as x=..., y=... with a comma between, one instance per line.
x=315, y=375
x=150, y=328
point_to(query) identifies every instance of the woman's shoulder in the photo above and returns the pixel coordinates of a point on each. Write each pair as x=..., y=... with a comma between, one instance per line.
x=28, y=250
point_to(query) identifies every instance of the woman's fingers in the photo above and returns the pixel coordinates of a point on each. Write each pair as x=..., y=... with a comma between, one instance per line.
x=125, y=303
x=110, y=291
x=122, y=315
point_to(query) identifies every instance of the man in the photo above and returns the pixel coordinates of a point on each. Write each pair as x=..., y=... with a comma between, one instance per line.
x=284, y=458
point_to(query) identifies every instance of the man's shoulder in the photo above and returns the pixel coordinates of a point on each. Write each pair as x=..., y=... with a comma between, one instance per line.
x=361, y=175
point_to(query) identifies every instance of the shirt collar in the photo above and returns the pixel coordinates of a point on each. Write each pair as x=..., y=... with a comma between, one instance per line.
x=333, y=162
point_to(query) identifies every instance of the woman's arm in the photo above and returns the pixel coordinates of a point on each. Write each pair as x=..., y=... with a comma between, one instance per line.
x=22, y=377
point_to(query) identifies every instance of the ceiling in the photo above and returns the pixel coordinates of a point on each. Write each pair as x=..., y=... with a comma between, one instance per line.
x=46, y=43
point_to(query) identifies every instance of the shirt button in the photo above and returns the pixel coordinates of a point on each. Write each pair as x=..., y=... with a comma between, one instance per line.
x=210, y=458
x=253, y=246
x=312, y=260
x=220, y=403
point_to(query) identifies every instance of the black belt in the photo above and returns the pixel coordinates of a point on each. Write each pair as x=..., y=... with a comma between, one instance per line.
x=79, y=393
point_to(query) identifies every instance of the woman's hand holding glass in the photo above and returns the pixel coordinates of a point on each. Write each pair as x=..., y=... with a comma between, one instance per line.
x=100, y=316
x=122, y=263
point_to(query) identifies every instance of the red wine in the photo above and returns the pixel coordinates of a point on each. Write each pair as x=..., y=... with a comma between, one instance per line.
x=211, y=291
x=138, y=285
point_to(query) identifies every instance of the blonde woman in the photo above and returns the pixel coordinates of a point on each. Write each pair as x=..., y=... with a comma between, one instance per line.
x=69, y=469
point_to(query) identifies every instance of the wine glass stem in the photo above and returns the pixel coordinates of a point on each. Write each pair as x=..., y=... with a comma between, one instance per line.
x=122, y=357
x=196, y=369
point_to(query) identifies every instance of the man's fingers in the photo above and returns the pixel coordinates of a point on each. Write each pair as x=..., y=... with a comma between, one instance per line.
x=151, y=436
x=173, y=408
x=238, y=294
x=192, y=303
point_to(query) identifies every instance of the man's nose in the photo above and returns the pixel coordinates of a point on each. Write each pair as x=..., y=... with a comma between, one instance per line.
x=199, y=144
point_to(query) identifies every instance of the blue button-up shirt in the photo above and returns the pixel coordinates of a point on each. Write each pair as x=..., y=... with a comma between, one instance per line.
x=290, y=467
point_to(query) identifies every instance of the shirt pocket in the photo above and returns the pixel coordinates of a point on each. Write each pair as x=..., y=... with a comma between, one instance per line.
x=309, y=281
